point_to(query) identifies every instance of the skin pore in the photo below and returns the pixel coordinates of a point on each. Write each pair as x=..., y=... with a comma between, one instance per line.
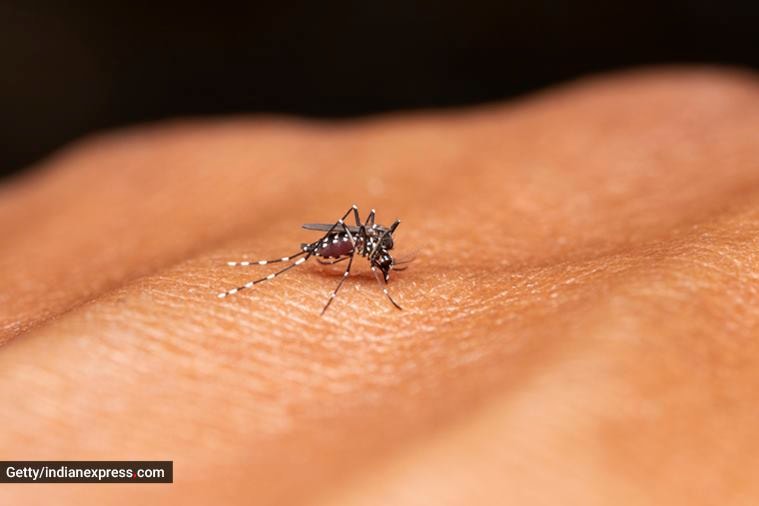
x=579, y=322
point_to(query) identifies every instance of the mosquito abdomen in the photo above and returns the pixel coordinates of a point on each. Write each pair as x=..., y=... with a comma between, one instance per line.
x=335, y=247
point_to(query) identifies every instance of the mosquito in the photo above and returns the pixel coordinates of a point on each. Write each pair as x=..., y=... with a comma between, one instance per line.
x=339, y=243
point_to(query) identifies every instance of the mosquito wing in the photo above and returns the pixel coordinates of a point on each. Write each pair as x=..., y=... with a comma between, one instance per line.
x=324, y=227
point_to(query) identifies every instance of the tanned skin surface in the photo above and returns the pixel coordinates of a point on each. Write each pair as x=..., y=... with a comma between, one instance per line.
x=580, y=324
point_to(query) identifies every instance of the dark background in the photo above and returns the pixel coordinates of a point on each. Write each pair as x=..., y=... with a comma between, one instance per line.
x=70, y=70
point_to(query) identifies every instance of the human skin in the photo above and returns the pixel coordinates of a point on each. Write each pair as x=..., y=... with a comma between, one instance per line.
x=580, y=320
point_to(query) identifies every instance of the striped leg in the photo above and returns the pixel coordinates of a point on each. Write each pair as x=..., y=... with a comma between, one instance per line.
x=265, y=278
x=355, y=215
x=246, y=263
x=342, y=280
x=370, y=220
x=384, y=288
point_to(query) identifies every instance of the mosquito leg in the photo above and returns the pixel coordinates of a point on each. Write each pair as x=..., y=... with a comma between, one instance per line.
x=246, y=263
x=384, y=288
x=355, y=215
x=370, y=220
x=265, y=278
x=342, y=280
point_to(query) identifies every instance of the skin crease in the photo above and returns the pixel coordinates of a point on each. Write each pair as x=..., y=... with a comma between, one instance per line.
x=579, y=322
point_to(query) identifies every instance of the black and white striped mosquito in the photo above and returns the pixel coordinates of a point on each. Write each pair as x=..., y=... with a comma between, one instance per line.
x=339, y=243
